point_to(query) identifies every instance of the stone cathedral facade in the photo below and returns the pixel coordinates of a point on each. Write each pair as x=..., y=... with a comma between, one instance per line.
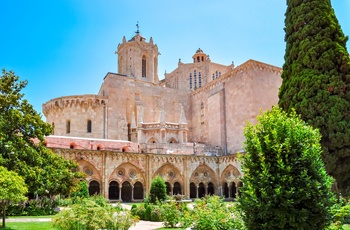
x=186, y=128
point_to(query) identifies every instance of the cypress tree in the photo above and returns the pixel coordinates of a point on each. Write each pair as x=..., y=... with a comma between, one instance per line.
x=316, y=78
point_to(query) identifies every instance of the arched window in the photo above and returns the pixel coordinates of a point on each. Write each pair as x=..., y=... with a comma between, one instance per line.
x=113, y=191
x=213, y=76
x=217, y=74
x=94, y=188
x=138, y=191
x=177, y=188
x=89, y=128
x=68, y=126
x=144, y=66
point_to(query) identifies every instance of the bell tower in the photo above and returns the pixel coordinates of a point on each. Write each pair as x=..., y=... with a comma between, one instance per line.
x=138, y=59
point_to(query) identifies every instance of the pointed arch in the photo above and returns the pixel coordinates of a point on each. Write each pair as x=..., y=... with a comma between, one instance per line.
x=92, y=173
x=126, y=171
x=203, y=173
x=230, y=174
x=170, y=173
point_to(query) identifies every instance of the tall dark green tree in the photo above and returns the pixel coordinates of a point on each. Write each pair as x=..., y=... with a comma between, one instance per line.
x=158, y=190
x=316, y=78
x=45, y=172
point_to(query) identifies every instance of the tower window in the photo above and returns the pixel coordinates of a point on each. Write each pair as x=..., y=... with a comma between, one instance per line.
x=89, y=126
x=190, y=81
x=213, y=76
x=199, y=80
x=68, y=126
x=217, y=74
x=195, y=79
x=143, y=66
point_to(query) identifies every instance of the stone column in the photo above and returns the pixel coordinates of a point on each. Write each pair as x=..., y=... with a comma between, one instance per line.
x=104, y=181
x=132, y=192
x=186, y=181
x=120, y=193
x=229, y=190
x=197, y=187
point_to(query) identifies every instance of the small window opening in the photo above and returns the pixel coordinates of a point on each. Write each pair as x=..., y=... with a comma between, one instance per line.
x=68, y=126
x=89, y=126
x=144, y=66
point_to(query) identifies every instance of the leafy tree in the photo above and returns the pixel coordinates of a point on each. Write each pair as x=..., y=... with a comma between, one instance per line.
x=44, y=172
x=316, y=78
x=12, y=189
x=285, y=184
x=158, y=190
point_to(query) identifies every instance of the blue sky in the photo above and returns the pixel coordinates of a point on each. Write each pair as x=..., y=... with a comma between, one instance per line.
x=66, y=47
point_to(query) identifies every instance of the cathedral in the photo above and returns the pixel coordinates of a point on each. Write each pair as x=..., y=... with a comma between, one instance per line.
x=186, y=128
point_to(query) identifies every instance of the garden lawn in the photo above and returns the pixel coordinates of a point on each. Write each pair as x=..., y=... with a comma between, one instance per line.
x=28, y=226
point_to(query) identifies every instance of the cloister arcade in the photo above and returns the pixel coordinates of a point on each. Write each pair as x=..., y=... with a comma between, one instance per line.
x=127, y=177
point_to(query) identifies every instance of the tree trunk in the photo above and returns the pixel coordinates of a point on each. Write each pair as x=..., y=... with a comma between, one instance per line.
x=3, y=215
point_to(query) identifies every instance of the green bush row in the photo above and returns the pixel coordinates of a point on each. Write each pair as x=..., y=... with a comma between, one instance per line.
x=93, y=213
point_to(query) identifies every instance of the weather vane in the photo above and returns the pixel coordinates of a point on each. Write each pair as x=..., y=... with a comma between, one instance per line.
x=137, y=26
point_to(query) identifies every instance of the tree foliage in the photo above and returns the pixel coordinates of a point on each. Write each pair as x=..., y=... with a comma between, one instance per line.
x=285, y=184
x=12, y=189
x=158, y=190
x=44, y=171
x=316, y=78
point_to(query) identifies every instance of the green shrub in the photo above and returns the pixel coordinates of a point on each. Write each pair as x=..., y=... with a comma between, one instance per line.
x=148, y=212
x=140, y=212
x=212, y=213
x=133, y=209
x=36, y=207
x=341, y=213
x=170, y=214
x=93, y=213
x=158, y=190
x=285, y=184
x=186, y=218
x=156, y=215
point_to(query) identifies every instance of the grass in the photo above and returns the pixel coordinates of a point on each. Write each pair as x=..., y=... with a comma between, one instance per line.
x=28, y=226
x=346, y=226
